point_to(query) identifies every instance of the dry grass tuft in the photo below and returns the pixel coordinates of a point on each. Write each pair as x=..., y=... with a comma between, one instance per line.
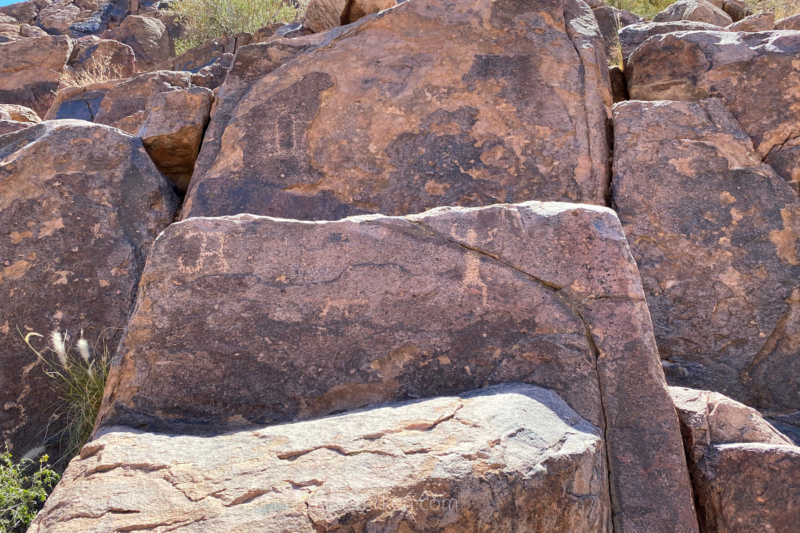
x=98, y=72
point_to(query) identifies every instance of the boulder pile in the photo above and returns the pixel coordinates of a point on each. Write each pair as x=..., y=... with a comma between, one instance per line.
x=521, y=265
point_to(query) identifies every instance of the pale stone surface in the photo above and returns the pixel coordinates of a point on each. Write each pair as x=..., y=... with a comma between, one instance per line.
x=18, y=113
x=362, y=8
x=500, y=102
x=258, y=320
x=757, y=22
x=756, y=74
x=173, y=132
x=695, y=10
x=714, y=232
x=746, y=475
x=505, y=459
x=30, y=70
x=80, y=205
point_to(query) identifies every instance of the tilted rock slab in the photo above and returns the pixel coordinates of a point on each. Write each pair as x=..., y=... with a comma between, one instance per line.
x=746, y=475
x=254, y=320
x=757, y=74
x=715, y=234
x=694, y=10
x=427, y=104
x=505, y=459
x=30, y=71
x=631, y=36
x=80, y=205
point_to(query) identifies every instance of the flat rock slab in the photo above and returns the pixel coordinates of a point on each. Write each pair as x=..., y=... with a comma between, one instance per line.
x=714, y=232
x=254, y=320
x=756, y=74
x=30, y=71
x=427, y=104
x=80, y=205
x=507, y=458
x=631, y=36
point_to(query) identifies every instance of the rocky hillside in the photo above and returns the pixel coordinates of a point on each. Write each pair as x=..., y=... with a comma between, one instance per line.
x=447, y=265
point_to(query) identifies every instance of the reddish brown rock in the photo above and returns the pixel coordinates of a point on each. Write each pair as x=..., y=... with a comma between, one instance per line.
x=18, y=113
x=30, y=71
x=381, y=121
x=361, y=8
x=174, y=130
x=24, y=12
x=714, y=232
x=149, y=39
x=8, y=126
x=254, y=320
x=322, y=15
x=503, y=459
x=56, y=18
x=80, y=205
x=630, y=37
x=757, y=22
x=695, y=10
x=12, y=30
x=94, y=59
x=756, y=74
x=611, y=20
x=788, y=23
x=746, y=475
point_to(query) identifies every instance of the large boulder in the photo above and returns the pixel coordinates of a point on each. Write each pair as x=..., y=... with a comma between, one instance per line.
x=56, y=18
x=30, y=70
x=96, y=60
x=254, y=320
x=24, y=12
x=80, y=205
x=174, y=130
x=756, y=74
x=695, y=10
x=149, y=39
x=757, y=22
x=631, y=36
x=746, y=475
x=714, y=232
x=504, y=459
x=788, y=23
x=123, y=104
x=361, y=8
x=18, y=113
x=504, y=101
x=322, y=15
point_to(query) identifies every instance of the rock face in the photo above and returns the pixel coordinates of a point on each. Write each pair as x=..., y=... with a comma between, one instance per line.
x=788, y=23
x=756, y=74
x=123, y=104
x=80, y=205
x=322, y=15
x=630, y=37
x=317, y=318
x=102, y=57
x=696, y=10
x=173, y=132
x=757, y=22
x=714, y=232
x=30, y=71
x=149, y=39
x=610, y=20
x=18, y=113
x=382, y=121
x=506, y=459
x=746, y=475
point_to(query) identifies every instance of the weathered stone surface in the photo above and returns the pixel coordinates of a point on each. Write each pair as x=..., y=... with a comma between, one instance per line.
x=630, y=37
x=102, y=58
x=788, y=23
x=322, y=317
x=714, y=232
x=756, y=74
x=24, y=12
x=322, y=15
x=173, y=132
x=201, y=56
x=710, y=417
x=57, y=17
x=380, y=120
x=619, y=89
x=123, y=104
x=757, y=22
x=18, y=113
x=696, y=10
x=8, y=126
x=610, y=20
x=746, y=475
x=505, y=459
x=736, y=9
x=30, y=70
x=80, y=205
x=149, y=39
x=266, y=32
x=12, y=30
x=361, y=8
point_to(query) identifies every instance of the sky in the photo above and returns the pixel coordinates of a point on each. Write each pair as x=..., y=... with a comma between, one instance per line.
x=6, y=2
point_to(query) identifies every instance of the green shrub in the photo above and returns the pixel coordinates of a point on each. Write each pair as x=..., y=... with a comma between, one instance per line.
x=209, y=19
x=79, y=381
x=21, y=492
